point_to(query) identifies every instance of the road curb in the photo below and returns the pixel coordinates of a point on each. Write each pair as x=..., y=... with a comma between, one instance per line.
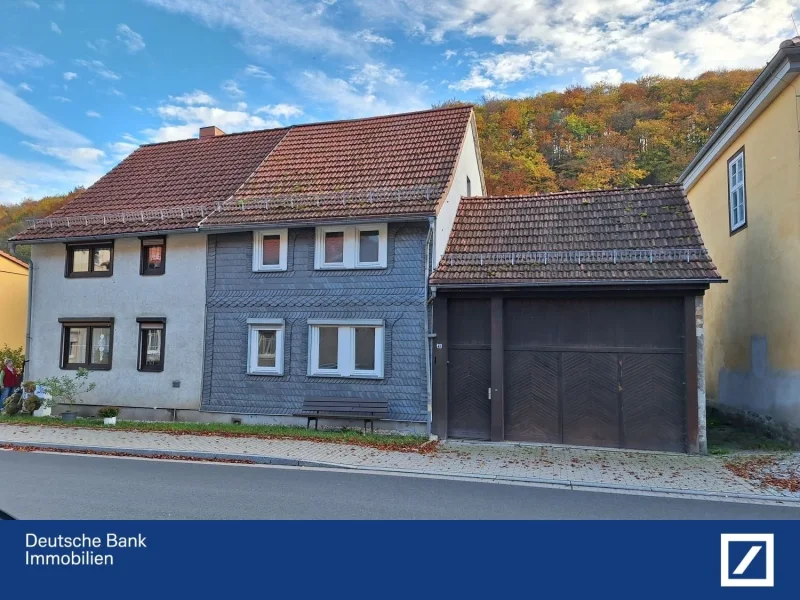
x=294, y=462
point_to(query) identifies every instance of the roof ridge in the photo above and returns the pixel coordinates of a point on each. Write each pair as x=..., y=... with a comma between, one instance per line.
x=318, y=123
x=609, y=191
x=227, y=135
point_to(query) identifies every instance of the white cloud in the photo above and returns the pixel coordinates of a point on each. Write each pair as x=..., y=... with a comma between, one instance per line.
x=181, y=122
x=31, y=4
x=115, y=92
x=20, y=115
x=97, y=67
x=281, y=111
x=593, y=75
x=93, y=114
x=502, y=69
x=21, y=179
x=25, y=87
x=372, y=90
x=136, y=108
x=448, y=54
x=98, y=45
x=232, y=88
x=475, y=81
x=82, y=157
x=241, y=106
x=120, y=150
x=369, y=37
x=132, y=40
x=680, y=37
x=194, y=98
x=256, y=72
x=264, y=23
x=23, y=117
x=69, y=75
x=62, y=99
x=19, y=60
x=60, y=6
x=55, y=28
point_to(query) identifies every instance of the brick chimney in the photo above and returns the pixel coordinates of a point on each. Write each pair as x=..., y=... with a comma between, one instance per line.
x=210, y=131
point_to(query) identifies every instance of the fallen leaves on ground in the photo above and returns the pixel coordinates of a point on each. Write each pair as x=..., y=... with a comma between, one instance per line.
x=767, y=472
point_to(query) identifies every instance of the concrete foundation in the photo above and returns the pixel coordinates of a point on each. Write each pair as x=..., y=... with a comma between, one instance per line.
x=197, y=416
x=761, y=390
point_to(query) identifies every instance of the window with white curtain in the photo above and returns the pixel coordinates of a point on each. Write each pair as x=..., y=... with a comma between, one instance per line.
x=265, y=355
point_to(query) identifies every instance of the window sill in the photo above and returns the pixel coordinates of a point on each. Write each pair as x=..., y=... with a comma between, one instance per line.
x=72, y=367
x=339, y=376
x=344, y=268
x=741, y=227
x=151, y=370
x=265, y=373
x=87, y=275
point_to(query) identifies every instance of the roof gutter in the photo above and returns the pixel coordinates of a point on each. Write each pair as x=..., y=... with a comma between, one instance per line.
x=593, y=283
x=761, y=92
x=232, y=227
x=110, y=236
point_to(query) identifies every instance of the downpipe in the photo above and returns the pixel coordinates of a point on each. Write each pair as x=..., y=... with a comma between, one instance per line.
x=428, y=335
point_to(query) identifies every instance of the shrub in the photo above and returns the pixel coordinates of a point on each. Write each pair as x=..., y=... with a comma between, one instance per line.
x=13, y=404
x=106, y=412
x=28, y=386
x=68, y=389
x=15, y=354
x=31, y=403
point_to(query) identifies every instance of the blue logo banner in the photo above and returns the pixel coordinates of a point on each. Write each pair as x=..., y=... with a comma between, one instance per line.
x=572, y=559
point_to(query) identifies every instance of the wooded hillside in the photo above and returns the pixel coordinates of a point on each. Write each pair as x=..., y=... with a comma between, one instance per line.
x=582, y=138
x=13, y=217
x=640, y=133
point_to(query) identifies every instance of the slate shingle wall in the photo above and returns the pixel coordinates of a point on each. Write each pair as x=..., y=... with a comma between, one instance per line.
x=234, y=294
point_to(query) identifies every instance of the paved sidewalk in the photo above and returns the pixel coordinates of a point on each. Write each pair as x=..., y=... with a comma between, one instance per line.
x=557, y=465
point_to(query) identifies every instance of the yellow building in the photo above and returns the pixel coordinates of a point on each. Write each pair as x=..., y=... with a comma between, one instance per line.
x=744, y=189
x=13, y=301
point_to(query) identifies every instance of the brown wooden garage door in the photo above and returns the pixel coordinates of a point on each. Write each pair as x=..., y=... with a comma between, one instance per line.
x=469, y=369
x=595, y=372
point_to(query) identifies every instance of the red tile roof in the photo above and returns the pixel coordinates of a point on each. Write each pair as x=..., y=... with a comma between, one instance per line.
x=396, y=165
x=172, y=177
x=356, y=168
x=634, y=234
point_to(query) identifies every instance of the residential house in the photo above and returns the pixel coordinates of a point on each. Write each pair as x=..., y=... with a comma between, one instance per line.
x=235, y=275
x=573, y=317
x=13, y=300
x=744, y=188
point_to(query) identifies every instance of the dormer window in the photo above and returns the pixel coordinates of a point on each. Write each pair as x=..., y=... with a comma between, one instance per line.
x=351, y=247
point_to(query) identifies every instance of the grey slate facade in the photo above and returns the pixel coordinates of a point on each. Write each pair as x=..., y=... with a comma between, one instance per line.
x=235, y=294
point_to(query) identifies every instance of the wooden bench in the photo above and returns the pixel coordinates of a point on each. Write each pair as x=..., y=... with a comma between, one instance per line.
x=315, y=407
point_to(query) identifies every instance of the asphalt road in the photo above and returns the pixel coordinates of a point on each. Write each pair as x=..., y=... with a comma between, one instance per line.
x=60, y=486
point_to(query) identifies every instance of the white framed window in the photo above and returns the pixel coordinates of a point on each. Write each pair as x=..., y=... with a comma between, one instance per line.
x=265, y=346
x=737, y=195
x=349, y=348
x=351, y=247
x=270, y=249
